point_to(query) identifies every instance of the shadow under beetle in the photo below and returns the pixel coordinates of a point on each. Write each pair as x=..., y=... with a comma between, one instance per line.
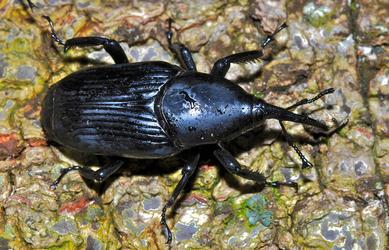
x=154, y=110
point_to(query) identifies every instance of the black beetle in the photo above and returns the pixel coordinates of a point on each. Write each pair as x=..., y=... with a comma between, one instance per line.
x=154, y=110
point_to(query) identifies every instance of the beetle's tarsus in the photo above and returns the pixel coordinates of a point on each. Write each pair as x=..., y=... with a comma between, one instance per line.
x=270, y=38
x=165, y=227
x=53, y=34
x=54, y=185
x=304, y=160
x=63, y=172
x=278, y=184
x=187, y=172
x=31, y=5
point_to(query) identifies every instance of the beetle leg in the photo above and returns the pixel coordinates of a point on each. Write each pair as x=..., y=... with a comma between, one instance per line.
x=221, y=67
x=99, y=175
x=181, y=51
x=187, y=172
x=305, y=162
x=233, y=166
x=30, y=5
x=112, y=47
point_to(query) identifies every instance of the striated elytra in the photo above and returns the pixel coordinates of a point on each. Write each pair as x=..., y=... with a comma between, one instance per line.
x=153, y=110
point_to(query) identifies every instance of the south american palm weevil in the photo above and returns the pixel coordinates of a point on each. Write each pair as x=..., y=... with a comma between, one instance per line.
x=155, y=110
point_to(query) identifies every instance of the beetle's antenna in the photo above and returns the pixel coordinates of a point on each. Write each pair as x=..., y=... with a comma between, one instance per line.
x=54, y=35
x=306, y=101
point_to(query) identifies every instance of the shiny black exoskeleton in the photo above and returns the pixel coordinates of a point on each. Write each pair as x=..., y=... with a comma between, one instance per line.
x=155, y=110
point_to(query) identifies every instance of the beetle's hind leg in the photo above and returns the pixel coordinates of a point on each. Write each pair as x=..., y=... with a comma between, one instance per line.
x=187, y=172
x=182, y=52
x=233, y=166
x=99, y=175
x=112, y=47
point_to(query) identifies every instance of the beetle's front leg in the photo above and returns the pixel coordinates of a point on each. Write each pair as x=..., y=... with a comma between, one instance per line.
x=221, y=67
x=99, y=175
x=182, y=52
x=112, y=47
x=304, y=160
x=187, y=172
x=232, y=165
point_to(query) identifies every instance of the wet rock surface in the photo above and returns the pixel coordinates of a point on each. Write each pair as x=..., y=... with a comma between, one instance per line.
x=341, y=203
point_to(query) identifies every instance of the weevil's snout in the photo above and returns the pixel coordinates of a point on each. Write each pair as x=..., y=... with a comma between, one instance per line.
x=263, y=111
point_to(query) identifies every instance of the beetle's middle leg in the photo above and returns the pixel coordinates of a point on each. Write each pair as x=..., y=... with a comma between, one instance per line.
x=112, y=47
x=99, y=175
x=187, y=172
x=221, y=66
x=182, y=52
x=233, y=166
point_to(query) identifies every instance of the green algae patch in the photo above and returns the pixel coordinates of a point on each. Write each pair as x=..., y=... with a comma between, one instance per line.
x=259, y=94
x=253, y=211
x=67, y=245
x=318, y=16
x=8, y=233
x=19, y=45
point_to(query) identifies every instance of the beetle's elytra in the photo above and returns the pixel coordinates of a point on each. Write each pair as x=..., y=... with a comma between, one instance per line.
x=156, y=110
